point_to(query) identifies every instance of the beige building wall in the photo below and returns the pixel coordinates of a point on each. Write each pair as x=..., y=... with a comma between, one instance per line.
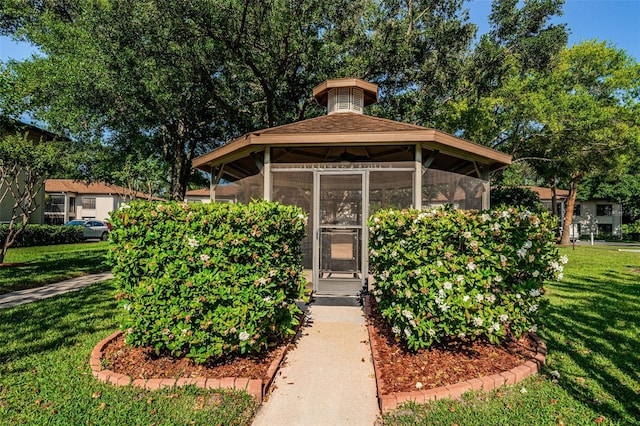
x=6, y=205
x=599, y=217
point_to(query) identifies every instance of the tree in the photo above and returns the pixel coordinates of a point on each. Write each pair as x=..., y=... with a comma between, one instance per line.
x=24, y=165
x=186, y=75
x=521, y=40
x=587, y=115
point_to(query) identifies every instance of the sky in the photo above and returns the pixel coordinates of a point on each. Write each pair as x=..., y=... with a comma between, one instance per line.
x=616, y=21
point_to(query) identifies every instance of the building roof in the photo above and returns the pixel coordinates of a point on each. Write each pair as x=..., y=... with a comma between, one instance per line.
x=80, y=187
x=350, y=129
x=221, y=191
x=545, y=193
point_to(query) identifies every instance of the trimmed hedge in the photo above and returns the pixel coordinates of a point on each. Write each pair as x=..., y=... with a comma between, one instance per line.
x=205, y=280
x=45, y=235
x=452, y=274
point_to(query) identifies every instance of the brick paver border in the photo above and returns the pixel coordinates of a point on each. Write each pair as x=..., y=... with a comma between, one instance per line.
x=255, y=387
x=391, y=401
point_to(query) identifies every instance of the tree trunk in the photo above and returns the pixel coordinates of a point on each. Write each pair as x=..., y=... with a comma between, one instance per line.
x=568, y=216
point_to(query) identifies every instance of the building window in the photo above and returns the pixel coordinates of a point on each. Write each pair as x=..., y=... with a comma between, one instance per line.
x=576, y=210
x=89, y=203
x=72, y=204
x=604, y=210
x=605, y=229
x=55, y=204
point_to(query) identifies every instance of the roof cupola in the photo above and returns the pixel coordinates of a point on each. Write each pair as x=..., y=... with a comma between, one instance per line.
x=346, y=95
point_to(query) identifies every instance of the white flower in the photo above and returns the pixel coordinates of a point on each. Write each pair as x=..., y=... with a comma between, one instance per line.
x=534, y=292
x=407, y=293
x=193, y=242
x=127, y=307
x=124, y=206
x=505, y=214
x=523, y=390
x=460, y=278
x=504, y=317
x=498, y=279
x=461, y=335
x=273, y=273
x=533, y=308
x=528, y=244
x=417, y=272
x=477, y=321
x=522, y=252
x=535, y=274
x=533, y=328
x=564, y=259
x=441, y=293
x=525, y=214
x=407, y=332
x=531, y=258
x=439, y=264
x=374, y=253
x=467, y=234
x=465, y=298
x=495, y=227
x=407, y=314
x=503, y=258
x=555, y=374
x=444, y=307
x=438, y=300
x=266, y=299
x=412, y=323
x=394, y=253
x=471, y=266
x=494, y=327
x=447, y=285
x=560, y=276
x=398, y=283
x=479, y=297
x=419, y=385
x=432, y=332
x=395, y=329
x=485, y=217
x=243, y=336
x=204, y=257
x=490, y=298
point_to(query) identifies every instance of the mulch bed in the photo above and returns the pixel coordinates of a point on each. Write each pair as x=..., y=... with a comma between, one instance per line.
x=444, y=364
x=142, y=363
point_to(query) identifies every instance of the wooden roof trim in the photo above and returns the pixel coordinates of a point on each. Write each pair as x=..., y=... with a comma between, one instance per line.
x=320, y=92
x=428, y=137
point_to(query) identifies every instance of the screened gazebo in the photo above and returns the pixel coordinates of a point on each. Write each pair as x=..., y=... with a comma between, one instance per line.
x=344, y=166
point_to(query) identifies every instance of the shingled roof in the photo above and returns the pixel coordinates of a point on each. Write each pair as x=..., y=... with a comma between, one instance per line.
x=80, y=187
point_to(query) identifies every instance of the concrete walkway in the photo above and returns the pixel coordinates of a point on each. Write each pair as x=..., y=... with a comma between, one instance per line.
x=328, y=378
x=31, y=295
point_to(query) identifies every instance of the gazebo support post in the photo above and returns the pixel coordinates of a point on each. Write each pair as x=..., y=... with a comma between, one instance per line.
x=266, y=169
x=417, y=179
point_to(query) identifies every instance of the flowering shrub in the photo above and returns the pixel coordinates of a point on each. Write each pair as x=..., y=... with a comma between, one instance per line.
x=443, y=273
x=202, y=280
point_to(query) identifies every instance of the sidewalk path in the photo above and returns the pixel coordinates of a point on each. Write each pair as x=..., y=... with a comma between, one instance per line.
x=31, y=295
x=328, y=378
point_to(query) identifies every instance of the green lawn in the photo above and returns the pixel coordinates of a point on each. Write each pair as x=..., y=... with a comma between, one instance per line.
x=592, y=330
x=48, y=264
x=45, y=377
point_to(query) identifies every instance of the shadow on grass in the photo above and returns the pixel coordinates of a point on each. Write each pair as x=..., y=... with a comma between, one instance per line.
x=596, y=333
x=53, y=323
x=49, y=269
